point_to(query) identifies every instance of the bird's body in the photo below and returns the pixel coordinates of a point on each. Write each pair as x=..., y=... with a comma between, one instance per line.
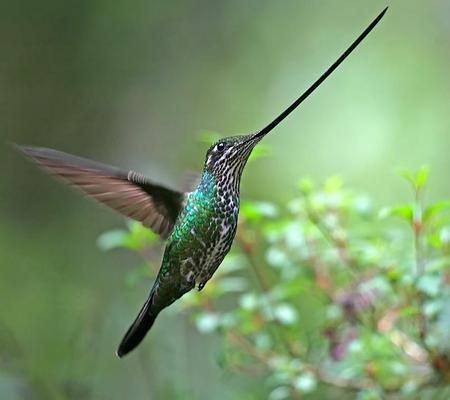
x=199, y=226
x=201, y=238
x=204, y=231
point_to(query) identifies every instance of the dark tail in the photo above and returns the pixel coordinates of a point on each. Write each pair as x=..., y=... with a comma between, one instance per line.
x=138, y=329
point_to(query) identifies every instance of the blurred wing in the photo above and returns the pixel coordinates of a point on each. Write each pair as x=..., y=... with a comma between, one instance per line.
x=129, y=193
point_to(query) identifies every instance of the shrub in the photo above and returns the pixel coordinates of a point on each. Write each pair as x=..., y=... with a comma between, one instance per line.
x=327, y=290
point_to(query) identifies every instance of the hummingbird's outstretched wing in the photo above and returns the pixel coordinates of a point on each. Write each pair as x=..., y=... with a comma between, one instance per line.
x=129, y=193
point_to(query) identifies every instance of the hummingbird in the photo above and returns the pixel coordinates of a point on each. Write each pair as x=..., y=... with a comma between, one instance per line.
x=199, y=226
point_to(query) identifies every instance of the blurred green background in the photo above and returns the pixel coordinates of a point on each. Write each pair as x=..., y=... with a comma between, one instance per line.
x=135, y=84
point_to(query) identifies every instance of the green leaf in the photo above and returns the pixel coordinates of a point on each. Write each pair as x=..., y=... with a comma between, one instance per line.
x=140, y=236
x=429, y=284
x=231, y=284
x=306, y=186
x=363, y=205
x=306, y=383
x=422, y=177
x=419, y=180
x=277, y=258
x=280, y=393
x=408, y=176
x=333, y=184
x=260, y=151
x=290, y=289
x=369, y=394
x=249, y=301
x=409, y=311
x=263, y=341
x=432, y=307
x=286, y=314
x=435, y=209
x=113, y=239
x=207, y=322
x=257, y=210
x=445, y=235
x=403, y=211
x=438, y=264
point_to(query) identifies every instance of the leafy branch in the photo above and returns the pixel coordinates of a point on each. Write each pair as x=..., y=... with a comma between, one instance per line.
x=326, y=290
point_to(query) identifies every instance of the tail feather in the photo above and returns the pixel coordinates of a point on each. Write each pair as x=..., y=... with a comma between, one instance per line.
x=138, y=329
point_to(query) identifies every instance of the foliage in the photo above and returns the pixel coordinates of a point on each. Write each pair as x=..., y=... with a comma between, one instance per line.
x=327, y=290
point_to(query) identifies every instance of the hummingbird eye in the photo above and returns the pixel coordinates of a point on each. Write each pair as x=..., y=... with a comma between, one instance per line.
x=220, y=146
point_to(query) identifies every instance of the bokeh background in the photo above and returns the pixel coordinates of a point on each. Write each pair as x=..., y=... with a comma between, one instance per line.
x=135, y=84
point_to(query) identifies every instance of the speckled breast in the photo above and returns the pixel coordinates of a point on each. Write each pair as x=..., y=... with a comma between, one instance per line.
x=204, y=235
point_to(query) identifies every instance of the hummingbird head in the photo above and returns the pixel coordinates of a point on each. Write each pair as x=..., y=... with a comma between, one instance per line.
x=228, y=156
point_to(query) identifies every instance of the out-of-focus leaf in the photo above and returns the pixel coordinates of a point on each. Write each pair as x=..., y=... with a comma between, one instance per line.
x=255, y=211
x=435, y=209
x=409, y=311
x=429, y=284
x=249, y=301
x=294, y=234
x=274, y=230
x=306, y=186
x=438, y=264
x=137, y=237
x=334, y=312
x=228, y=320
x=260, y=151
x=278, y=362
x=409, y=388
x=295, y=206
x=275, y=257
x=404, y=211
x=363, y=205
x=231, y=284
x=408, y=176
x=140, y=236
x=263, y=341
x=306, y=383
x=290, y=289
x=207, y=322
x=378, y=284
x=369, y=394
x=280, y=393
x=431, y=308
x=422, y=176
x=444, y=235
x=333, y=184
x=113, y=239
x=419, y=179
x=286, y=314
x=442, y=331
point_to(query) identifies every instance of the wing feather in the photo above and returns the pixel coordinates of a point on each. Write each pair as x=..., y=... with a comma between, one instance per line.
x=128, y=192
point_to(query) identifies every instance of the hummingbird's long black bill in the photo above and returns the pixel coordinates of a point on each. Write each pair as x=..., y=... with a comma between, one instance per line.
x=324, y=76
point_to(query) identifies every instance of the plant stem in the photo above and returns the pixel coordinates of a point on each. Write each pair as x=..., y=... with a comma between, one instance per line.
x=417, y=225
